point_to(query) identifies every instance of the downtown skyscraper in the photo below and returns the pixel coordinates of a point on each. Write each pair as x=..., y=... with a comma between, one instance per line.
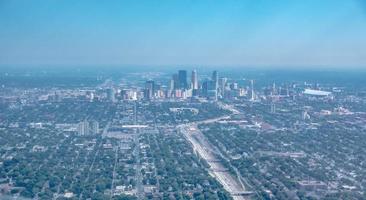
x=182, y=78
x=194, y=80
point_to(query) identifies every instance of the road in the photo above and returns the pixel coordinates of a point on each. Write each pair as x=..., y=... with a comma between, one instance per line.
x=139, y=185
x=231, y=183
x=114, y=169
x=204, y=150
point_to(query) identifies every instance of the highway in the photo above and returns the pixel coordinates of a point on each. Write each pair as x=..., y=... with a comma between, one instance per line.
x=204, y=150
x=231, y=183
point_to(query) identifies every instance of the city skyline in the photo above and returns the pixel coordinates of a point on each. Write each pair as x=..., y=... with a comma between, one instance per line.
x=237, y=33
x=211, y=135
x=183, y=99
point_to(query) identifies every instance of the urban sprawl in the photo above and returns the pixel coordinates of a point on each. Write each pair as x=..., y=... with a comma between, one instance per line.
x=183, y=136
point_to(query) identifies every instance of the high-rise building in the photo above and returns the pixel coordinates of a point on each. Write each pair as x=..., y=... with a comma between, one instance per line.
x=205, y=87
x=175, y=81
x=194, y=83
x=149, y=89
x=212, y=90
x=194, y=80
x=274, y=90
x=215, y=79
x=171, y=88
x=88, y=128
x=82, y=128
x=171, y=84
x=182, y=76
x=222, y=86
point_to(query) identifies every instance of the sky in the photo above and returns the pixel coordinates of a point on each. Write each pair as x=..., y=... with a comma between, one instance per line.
x=183, y=32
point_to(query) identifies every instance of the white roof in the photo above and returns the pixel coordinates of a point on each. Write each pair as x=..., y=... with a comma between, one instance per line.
x=69, y=195
x=316, y=92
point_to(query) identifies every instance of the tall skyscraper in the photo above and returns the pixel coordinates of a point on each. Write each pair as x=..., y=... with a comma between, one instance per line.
x=205, y=87
x=213, y=86
x=222, y=86
x=171, y=84
x=215, y=79
x=149, y=89
x=212, y=90
x=169, y=92
x=182, y=76
x=175, y=79
x=274, y=90
x=194, y=80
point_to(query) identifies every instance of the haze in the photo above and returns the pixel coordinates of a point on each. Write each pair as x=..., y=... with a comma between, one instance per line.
x=270, y=33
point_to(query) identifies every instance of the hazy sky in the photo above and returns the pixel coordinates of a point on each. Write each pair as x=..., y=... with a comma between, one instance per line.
x=196, y=32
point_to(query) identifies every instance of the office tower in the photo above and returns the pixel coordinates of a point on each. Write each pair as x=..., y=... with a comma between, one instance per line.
x=88, y=128
x=222, y=85
x=194, y=80
x=149, y=89
x=194, y=83
x=215, y=79
x=182, y=77
x=274, y=91
x=175, y=81
x=171, y=88
x=212, y=90
x=205, y=87
x=111, y=95
x=171, y=84
x=252, y=89
x=212, y=86
x=83, y=128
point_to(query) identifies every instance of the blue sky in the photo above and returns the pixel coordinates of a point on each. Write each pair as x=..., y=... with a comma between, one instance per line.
x=184, y=32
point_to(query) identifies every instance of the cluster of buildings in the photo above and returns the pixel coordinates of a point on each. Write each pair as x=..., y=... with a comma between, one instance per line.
x=88, y=128
x=181, y=87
